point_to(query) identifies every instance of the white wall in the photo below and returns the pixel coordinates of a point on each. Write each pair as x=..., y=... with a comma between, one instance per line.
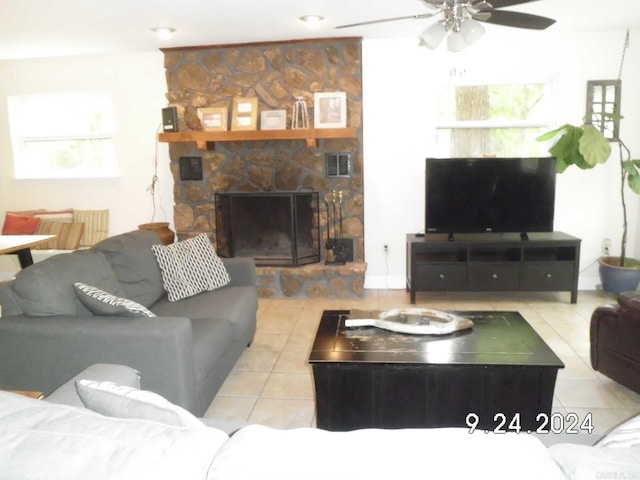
x=137, y=85
x=399, y=79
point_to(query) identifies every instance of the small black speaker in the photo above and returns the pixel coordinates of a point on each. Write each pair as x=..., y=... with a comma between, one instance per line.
x=170, y=119
x=190, y=168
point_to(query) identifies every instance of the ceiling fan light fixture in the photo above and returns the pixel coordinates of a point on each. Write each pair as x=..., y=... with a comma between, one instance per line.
x=460, y=19
x=312, y=21
x=433, y=36
x=163, y=33
x=471, y=30
x=455, y=42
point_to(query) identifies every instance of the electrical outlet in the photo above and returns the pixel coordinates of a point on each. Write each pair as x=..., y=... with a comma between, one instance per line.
x=606, y=246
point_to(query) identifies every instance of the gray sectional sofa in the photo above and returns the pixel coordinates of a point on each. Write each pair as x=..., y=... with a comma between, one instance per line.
x=184, y=353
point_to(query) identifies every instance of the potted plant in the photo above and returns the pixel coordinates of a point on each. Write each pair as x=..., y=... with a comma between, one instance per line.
x=585, y=147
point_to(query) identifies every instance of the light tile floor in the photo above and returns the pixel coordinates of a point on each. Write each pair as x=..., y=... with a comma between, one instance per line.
x=272, y=383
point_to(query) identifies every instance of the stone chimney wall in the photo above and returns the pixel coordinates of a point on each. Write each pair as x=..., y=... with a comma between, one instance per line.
x=275, y=73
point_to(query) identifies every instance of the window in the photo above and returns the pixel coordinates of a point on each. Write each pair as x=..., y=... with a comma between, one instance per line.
x=62, y=135
x=603, y=106
x=492, y=120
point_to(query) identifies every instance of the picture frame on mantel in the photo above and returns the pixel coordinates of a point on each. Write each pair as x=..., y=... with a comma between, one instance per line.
x=213, y=119
x=245, y=113
x=330, y=109
x=273, y=120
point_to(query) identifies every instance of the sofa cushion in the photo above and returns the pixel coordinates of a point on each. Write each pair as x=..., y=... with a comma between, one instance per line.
x=211, y=339
x=41, y=440
x=579, y=462
x=96, y=225
x=617, y=454
x=19, y=225
x=46, y=288
x=100, y=302
x=627, y=434
x=236, y=305
x=121, y=401
x=25, y=213
x=65, y=215
x=435, y=453
x=135, y=265
x=190, y=267
x=8, y=300
x=67, y=235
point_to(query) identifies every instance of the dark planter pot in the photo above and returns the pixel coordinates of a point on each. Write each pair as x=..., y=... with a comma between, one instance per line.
x=616, y=279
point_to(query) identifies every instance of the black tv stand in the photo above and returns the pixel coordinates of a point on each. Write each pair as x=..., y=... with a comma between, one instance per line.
x=451, y=236
x=496, y=262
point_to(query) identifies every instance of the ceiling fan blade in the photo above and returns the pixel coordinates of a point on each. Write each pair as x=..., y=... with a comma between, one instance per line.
x=519, y=20
x=508, y=3
x=371, y=22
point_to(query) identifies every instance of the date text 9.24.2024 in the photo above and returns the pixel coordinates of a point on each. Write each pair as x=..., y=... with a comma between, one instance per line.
x=554, y=423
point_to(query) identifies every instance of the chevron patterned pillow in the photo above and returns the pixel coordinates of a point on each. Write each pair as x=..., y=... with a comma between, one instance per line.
x=189, y=267
x=100, y=302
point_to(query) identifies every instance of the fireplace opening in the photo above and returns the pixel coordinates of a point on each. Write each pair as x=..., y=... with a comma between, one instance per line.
x=276, y=229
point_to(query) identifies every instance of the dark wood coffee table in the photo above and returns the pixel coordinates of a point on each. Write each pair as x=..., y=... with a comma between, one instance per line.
x=371, y=378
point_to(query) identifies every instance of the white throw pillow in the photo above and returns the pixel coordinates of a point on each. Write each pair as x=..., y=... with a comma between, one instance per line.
x=43, y=441
x=120, y=401
x=189, y=267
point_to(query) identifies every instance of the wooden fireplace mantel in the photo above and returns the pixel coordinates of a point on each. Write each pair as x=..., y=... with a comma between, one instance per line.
x=206, y=140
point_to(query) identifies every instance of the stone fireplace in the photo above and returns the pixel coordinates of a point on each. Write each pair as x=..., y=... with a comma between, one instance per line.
x=274, y=73
x=276, y=229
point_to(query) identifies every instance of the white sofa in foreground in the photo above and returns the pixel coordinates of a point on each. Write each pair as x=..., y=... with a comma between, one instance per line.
x=44, y=440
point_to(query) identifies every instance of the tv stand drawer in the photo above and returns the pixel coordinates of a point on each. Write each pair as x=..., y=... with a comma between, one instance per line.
x=548, y=276
x=440, y=277
x=492, y=277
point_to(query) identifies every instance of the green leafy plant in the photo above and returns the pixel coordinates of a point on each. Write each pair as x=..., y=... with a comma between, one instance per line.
x=586, y=147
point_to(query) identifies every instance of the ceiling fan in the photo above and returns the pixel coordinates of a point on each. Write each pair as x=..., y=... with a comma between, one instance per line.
x=462, y=17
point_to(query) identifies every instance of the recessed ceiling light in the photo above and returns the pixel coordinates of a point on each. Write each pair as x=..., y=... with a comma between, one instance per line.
x=163, y=33
x=312, y=21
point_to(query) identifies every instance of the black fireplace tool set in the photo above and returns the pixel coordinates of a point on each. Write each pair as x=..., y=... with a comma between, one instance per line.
x=339, y=249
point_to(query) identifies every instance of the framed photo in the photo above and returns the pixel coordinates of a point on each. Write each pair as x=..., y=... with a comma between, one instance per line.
x=273, y=120
x=330, y=110
x=245, y=114
x=213, y=119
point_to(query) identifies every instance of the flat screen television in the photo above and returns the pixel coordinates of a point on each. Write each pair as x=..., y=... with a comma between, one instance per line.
x=490, y=194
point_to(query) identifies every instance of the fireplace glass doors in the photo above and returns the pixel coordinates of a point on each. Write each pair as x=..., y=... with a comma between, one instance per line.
x=276, y=229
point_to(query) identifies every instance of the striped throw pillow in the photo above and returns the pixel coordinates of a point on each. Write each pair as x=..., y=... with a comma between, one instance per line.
x=67, y=235
x=100, y=302
x=96, y=225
